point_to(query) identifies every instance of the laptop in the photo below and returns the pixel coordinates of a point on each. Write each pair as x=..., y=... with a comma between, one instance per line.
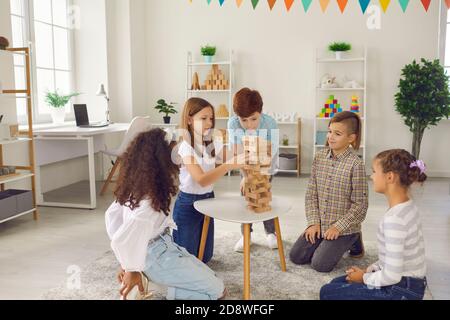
x=82, y=118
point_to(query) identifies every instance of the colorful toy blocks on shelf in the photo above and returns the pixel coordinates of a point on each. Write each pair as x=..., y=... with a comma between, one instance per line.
x=257, y=188
x=354, y=107
x=332, y=106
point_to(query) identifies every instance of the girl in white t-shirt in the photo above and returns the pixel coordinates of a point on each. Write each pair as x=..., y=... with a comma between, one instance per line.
x=199, y=155
x=139, y=225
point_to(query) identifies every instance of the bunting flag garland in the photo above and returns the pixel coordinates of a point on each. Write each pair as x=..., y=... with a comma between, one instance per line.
x=364, y=4
x=271, y=3
x=385, y=4
x=324, y=4
x=426, y=4
x=342, y=4
x=288, y=4
x=307, y=3
x=404, y=4
x=448, y=3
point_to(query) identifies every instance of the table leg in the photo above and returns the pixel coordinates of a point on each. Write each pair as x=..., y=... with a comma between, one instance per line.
x=246, y=262
x=91, y=160
x=280, y=245
x=201, y=250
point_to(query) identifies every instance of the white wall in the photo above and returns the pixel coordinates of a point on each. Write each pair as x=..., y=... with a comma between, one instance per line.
x=275, y=54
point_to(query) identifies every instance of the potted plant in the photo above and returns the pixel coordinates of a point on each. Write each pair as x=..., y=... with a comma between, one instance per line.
x=339, y=48
x=208, y=52
x=57, y=105
x=4, y=43
x=163, y=107
x=423, y=99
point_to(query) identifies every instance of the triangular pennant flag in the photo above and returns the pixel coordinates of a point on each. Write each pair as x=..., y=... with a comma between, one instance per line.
x=288, y=4
x=271, y=3
x=448, y=3
x=239, y=2
x=209, y=1
x=221, y=2
x=307, y=3
x=255, y=3
x=324, y=4
x=404, y=4
x=342, y=4
x=426, y=4
x=385, y=4
x=364, y=4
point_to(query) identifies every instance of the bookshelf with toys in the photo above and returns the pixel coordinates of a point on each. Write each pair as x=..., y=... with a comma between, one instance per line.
x=335, y=94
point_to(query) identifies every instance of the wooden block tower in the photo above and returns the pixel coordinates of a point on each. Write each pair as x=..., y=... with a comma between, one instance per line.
x=215, y=80
x=257, y=189
x=354, y=107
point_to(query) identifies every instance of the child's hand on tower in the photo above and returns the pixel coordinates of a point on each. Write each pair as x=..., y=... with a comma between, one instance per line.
x=312, y=232
x=332, y=234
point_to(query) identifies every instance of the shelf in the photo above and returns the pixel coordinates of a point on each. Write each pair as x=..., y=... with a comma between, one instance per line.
x=317, y=118
x=340, y=89
x=13, y=51
x=287, y=123
x=164, y=124
x=18, y=177
x=222, y=118
x=208, y=91
x=286, y=171
x=18, y=140
x=19, y=215
x=341, y=60
x=220, y=63
x=288, y=147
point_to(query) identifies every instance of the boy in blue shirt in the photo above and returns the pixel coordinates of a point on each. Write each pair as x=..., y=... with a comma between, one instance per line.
x=249, y=120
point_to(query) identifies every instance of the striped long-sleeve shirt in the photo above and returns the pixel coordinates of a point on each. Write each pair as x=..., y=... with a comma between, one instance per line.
x=401, y=247
x=337, y=192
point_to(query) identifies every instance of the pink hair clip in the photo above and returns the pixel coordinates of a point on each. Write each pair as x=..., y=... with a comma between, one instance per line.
x=419, y=164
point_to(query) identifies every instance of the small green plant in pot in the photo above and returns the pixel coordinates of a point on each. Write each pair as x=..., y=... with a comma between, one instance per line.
x=208, y=52
x=424, y=98
x=163, y=107
x=339, y=48
x=57, y=104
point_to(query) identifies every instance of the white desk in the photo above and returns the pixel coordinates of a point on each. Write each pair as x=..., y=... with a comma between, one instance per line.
x=234, y=209
x=51, y=145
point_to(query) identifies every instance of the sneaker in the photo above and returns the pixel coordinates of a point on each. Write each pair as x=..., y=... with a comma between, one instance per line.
x=357, y=249
x=239, y=246
x=272, y=241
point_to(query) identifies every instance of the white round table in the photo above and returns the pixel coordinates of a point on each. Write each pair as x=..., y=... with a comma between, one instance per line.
x=234, y=209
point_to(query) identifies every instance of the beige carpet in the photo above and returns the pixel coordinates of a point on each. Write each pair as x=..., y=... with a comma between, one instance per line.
x=267, y=281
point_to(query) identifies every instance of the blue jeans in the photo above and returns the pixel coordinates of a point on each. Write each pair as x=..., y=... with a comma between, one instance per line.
x=190, y=225
x=407, y=289
x=186, y=277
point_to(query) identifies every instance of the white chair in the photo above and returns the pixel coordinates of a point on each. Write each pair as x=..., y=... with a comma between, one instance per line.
x=138, y=125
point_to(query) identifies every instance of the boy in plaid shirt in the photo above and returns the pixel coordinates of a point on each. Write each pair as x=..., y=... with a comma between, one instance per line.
x=336, y=200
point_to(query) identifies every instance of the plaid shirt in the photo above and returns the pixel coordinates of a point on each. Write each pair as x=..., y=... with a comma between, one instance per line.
x=337, y=192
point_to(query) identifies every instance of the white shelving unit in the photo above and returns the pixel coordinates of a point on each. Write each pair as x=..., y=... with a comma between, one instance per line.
x=323, y=65
x=225, y=96
x=292, y=148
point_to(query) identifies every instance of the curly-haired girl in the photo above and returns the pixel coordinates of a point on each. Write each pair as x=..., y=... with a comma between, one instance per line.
x=139, y=227
x=399, y=274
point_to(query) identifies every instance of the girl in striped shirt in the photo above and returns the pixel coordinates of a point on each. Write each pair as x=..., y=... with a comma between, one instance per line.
x=399, y=274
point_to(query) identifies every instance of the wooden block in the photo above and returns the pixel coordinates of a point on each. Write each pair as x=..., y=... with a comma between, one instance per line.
x=262, y=210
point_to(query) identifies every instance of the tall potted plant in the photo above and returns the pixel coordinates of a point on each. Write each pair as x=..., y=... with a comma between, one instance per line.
x=166, y=108
x=57, y=104
x=339, y=48
x=208, y=52
x=423, y=99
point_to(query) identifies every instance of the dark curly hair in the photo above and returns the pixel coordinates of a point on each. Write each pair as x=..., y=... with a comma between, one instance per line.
x=399, y=161
x=148, y=172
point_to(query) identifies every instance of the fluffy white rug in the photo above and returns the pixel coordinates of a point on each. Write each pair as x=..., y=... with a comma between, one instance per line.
x=268, y=282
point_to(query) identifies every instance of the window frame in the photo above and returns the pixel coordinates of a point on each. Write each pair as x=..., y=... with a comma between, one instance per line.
x=29, y=36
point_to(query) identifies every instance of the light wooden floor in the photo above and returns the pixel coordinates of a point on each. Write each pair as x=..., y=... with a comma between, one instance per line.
x=34, y=256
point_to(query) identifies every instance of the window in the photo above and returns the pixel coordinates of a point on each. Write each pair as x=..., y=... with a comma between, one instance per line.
x=447, y=46
x=45, y=23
